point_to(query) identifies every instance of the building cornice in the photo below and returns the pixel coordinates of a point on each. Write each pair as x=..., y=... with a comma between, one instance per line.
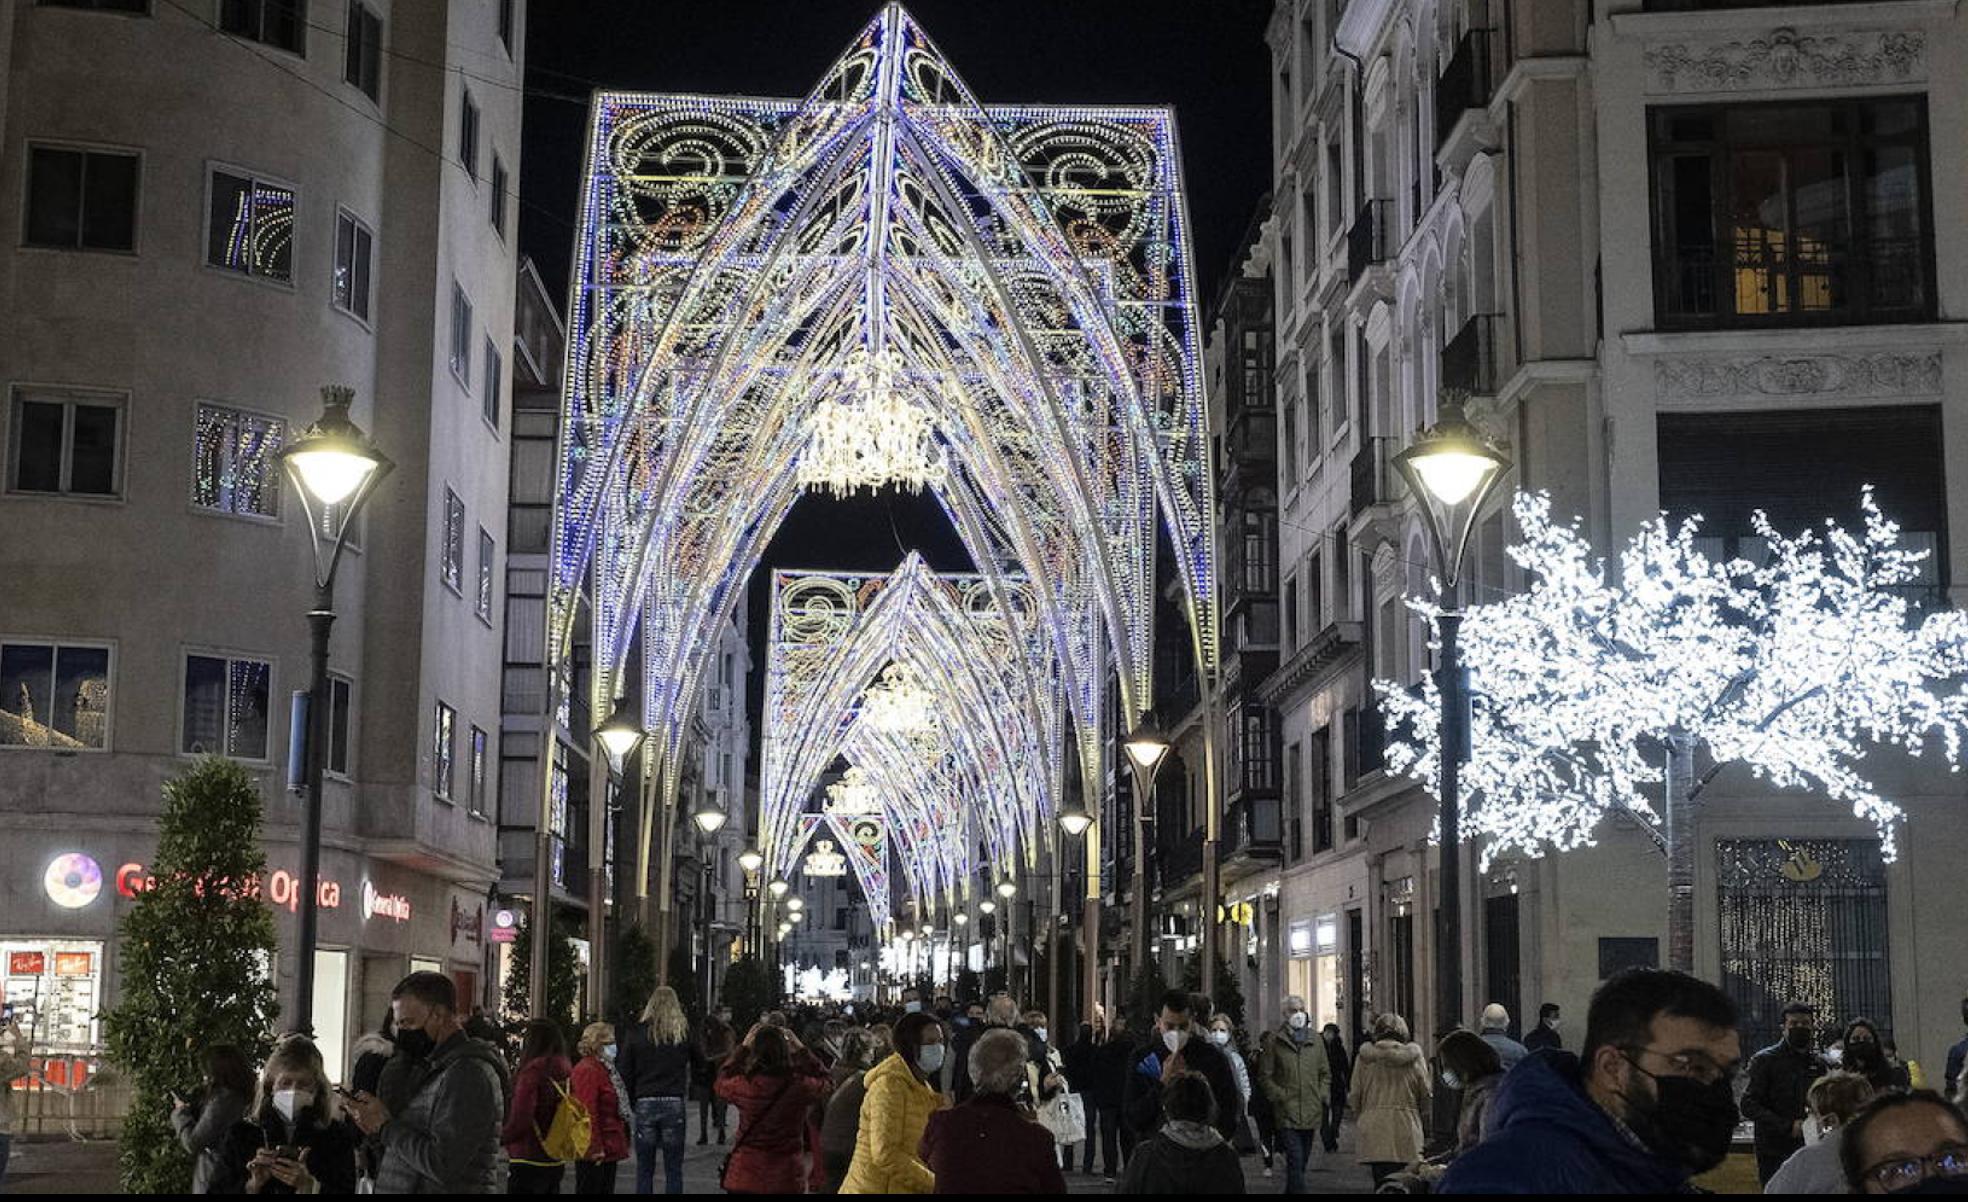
x=1637, y=25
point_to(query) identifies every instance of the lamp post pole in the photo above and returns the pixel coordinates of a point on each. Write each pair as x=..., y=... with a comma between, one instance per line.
x=1146, y=750
x=333, y=464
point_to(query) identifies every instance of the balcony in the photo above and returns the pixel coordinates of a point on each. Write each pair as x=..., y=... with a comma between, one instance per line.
x=1373, y=474
x=1371, y=239
x=1467, y=84
x=1469, y=361
x=1251, y=829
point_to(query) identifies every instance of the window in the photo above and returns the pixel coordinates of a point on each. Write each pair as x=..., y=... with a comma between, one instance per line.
x=445, y=720
x=139, y=7
x=364, y=64
x=54, y=695
x=506, y=24
x=499, y=195
x=235, y=464
x=1288, y=446
x=1336, y=364
x=1315, y=607
x=281, y=23
x=227, y=706
x=81, y=199
x=486, y=559
x=250, y=226
x=1294, y=803
x=1319, y=785
x=476, y=804
x=1291, y=615
x=355, y=249
x=461, y=335
x=66, y=442
x=495, y=379
x=452, y=569
x=1260, y=535
x=341, y=693
x=468, y=137
x=1792, y=214
x=1260, y=748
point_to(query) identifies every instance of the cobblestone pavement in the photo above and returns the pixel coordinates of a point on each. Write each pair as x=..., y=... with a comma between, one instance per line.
x=64, y=1167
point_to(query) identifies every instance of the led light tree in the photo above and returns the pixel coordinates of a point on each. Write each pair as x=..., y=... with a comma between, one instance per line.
x=1595, y=693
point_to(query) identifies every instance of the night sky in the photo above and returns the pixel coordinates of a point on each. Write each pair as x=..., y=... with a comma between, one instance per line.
x=1207, y=58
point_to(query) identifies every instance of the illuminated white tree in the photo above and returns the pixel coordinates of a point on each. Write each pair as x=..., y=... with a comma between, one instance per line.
x=1595, y=692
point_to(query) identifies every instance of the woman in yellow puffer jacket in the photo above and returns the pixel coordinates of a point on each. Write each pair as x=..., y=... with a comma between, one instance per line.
x=895, y=1111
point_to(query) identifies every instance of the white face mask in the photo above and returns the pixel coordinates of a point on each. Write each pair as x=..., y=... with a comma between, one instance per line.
x=608, y=1050
x=929, y=1057
x=1174, y=1039
x=1297, y=1020
x=912, y=1007
x=1219, y=1038
x=1040, y=1032
x=1553, y=1023
x=290, y=1102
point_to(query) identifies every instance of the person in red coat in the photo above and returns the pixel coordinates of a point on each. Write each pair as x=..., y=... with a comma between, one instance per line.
x=773, y=1081
x=987, y=1145
x=543, y=1074
x=608, y=1132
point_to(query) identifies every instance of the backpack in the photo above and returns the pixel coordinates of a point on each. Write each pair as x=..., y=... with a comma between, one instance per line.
x=572, y=1131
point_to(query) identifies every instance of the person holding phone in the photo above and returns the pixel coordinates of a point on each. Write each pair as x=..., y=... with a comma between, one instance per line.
x=203, y=1122
x=295, y=1139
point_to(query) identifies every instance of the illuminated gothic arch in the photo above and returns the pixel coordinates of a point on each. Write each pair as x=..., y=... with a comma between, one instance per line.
x=1024, y=269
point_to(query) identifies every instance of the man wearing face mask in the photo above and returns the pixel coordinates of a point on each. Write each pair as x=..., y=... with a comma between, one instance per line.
x=911, y=1002
x=1780, y=1077
x=1546, y=1034
x=1176, y=1044
x=445, y=1140
x=1297, y=1078
x=1646, y=1105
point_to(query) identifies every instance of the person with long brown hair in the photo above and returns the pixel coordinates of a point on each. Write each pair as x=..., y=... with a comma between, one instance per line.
x=537, y=1089
x=773, y=1081
x=202, y=1126
x=896, y=1111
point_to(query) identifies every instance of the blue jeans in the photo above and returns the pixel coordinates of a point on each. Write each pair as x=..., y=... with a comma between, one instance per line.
x=659, y=1123
x=1300, y=1145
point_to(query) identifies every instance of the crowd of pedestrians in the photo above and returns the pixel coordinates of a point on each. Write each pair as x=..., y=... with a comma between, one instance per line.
x=932, y=1097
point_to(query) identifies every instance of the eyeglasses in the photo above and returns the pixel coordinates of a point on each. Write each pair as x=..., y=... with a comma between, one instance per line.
x=1890, y=1175
x=1692, y=1065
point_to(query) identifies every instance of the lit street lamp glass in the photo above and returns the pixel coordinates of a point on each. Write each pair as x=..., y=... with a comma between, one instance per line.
x=960, y=919
x=988, y=906
x=750, y=860
x=1006, y=889
x=620, y=734
x=1074, y=820
x=1451, y=462
x=1146, y=747
x=333, y=456
x=779, y=886
x=708, y=818
x=796, y=904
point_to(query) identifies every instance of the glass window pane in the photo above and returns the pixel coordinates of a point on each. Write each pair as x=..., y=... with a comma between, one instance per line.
x=1895, y=253
x=54, y=197
x=273, y=231
x=343, y=282
x=229, y=230
x=338, y=726
x=38, y=446
x=26, y=694
x=251, y=706
x=1823, y=226
x=109, y=202
x=204, y=705
x=364, y=243
x=82, y=694
x=93, y=450
x=1759, y=230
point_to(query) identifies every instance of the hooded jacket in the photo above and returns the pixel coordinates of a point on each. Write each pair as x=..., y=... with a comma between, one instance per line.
x=769, y=1154
x=446, y=1138
x=894, y=1114
x=1184, y=1158
x=1390, y=1090
x=1548, y=1137
x=1297, y=1079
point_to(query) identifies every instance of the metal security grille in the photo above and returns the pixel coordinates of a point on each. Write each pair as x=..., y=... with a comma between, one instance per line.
x=1803, y=919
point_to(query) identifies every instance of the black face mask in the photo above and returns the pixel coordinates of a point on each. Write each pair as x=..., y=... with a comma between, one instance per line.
x=1863, y=1055
x=1684, y=1120
x=1799, y=1039
x=415, y=1042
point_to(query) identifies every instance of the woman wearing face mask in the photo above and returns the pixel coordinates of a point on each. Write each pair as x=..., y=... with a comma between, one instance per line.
x=1390, y=1091
x=1864, y=1055
x=895, y=1112
x=1906, y=1143
x=1834, y=1099
x=1470, y=1064
x=1225, y=1040
x=293, y=1141
x=202, y=1128
x=593, y=1085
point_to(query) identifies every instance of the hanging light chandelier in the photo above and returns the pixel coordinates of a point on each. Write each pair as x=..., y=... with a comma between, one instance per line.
x=898, y=703
x=868, y=433
x=853, y=795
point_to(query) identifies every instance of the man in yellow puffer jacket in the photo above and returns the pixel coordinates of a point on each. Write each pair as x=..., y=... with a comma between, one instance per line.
x=895, y=1111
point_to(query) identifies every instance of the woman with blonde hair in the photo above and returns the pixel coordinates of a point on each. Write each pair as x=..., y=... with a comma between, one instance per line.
x=294, y=1139
x=593, y=1085
x=1390, y=1090
x=655, y=1066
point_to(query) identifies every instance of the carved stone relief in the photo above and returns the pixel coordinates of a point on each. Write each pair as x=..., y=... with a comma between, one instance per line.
x=1885, y=373
x=1786, y=58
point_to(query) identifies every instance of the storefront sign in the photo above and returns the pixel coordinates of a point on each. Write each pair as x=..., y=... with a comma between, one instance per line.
x=72, y=881
x=469, y=923
x=74, y=964
x=386, y=905
x=282, y=888
x=505, y=926
x=26, y=964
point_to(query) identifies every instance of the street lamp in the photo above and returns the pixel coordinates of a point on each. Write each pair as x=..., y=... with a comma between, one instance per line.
x=1451, y=467
x=617, y=738
x=709, y=817
x=987, y=906
x=1074, y=819
x=620, y=735
x=335, y=466
x=1146, y=748
x=779, y=886
x=750, y=860
x=796, y=904
x=1006, y=889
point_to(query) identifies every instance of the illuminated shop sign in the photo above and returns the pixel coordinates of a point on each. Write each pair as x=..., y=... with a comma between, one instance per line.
x=281, y=888
x=376, y=904
x=72, y=881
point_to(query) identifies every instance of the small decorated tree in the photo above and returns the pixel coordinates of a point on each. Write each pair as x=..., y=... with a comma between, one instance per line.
x=563, y=974
x=197, y=951
x=634, y=976
x=750, y=991
x=1593, y=691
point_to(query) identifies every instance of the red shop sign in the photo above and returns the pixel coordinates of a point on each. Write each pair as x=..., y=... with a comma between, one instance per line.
x=26, y=964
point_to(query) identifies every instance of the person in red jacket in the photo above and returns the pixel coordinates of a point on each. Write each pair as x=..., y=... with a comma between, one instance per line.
x=543, y=1074
x=987, y=1145
x=773, y=1081
x=608, y=1133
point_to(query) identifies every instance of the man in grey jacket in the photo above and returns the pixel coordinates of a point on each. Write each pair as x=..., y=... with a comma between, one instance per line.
x=446, y=1140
